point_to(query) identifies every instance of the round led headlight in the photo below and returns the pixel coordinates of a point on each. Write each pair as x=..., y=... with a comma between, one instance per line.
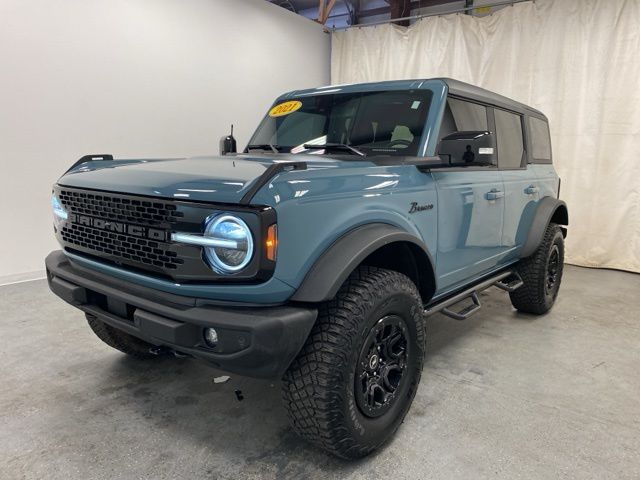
x=60, y=215
x=237, y=252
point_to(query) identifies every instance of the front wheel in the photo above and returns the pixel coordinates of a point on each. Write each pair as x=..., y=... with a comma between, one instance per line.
x=354, y=380
x=541, y=274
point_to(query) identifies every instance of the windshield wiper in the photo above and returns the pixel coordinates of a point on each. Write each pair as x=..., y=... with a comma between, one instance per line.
x=335, y=146
x=264, y=146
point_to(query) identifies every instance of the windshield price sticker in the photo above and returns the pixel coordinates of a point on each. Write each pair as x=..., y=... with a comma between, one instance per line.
x=285, y=108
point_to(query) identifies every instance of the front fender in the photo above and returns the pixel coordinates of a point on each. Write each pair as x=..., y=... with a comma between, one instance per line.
x=316, y=207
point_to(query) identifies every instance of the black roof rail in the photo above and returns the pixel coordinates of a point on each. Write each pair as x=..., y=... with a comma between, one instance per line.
x=90, y=158
x=267, y=175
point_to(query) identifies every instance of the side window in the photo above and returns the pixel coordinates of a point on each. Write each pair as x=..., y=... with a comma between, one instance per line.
x=540, y=140
x=510, y=140
x=465, y=148
x=460, y=116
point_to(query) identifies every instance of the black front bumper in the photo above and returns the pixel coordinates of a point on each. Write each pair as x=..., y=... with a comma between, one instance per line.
x=257, y=342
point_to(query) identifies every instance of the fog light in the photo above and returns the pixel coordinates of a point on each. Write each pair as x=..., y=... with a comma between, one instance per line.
x=211, y=336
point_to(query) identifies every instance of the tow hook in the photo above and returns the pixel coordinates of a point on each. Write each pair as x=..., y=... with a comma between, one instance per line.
x=160, y=350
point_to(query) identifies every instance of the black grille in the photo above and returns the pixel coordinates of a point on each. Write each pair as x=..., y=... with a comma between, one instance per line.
x=140, y=250
x=120, y=208
x=134, y=232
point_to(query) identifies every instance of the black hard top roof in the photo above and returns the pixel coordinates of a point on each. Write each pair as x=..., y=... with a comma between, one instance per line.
x=455, y=87
x=462, y=89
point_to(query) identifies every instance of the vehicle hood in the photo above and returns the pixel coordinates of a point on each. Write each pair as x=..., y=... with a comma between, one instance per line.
x=209, y=179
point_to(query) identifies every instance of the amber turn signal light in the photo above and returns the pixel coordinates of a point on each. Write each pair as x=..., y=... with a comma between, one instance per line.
x=272, y=242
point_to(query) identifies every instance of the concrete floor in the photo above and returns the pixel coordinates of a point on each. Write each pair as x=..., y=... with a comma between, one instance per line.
x=503, y=395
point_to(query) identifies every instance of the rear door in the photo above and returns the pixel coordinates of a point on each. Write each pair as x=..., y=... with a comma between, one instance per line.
x=522, y=191
x=470, y=205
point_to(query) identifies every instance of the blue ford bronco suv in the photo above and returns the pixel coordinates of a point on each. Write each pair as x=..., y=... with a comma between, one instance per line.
x=316, y=255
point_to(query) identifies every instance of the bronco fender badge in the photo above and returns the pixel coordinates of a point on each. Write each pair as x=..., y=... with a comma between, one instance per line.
x=420, y=208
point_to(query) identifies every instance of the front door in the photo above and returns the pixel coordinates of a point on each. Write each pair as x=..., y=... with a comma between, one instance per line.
x=470, y=224
x=470, y=205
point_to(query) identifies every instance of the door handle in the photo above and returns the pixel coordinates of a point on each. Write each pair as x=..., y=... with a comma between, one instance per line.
x=531, y=189
x=494, y=194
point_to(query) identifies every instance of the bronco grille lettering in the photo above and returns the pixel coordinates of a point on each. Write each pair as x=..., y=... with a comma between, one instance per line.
x=119, y=227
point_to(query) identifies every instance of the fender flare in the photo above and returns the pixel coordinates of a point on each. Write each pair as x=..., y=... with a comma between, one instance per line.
x=331, y=269
x=545, y=211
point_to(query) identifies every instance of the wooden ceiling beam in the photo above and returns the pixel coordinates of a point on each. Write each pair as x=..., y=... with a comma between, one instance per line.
x=324, y=10
x=327, y=10
x=321, y=6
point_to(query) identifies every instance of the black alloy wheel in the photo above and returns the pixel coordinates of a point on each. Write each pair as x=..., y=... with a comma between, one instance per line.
x=381, y=366
x=553, y=267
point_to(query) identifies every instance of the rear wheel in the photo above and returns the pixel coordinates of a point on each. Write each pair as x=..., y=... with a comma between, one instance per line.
x=354, y=380
x=120, y=340
x=541, y=274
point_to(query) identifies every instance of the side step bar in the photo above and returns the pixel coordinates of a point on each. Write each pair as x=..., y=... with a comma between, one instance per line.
x=508, y=281
x=511, y=283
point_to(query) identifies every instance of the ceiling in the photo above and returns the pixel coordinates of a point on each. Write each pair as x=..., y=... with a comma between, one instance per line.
x=358, y=12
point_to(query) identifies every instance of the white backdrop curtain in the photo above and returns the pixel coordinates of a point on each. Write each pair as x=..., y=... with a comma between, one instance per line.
x=576, y=60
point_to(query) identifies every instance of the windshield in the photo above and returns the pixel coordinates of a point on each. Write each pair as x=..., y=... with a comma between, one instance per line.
x=374, y=123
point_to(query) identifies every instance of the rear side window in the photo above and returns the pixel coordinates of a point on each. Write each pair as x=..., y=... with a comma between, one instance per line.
x=510, y=139
x=540, y=140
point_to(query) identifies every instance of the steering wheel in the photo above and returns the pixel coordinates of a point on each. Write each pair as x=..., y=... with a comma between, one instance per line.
x=400, y=142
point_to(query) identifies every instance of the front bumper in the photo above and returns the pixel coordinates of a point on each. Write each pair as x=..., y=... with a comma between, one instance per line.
x=257, y=342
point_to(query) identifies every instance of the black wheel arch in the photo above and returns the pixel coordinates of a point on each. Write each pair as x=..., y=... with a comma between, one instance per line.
x=549, y=210
x=376, y=244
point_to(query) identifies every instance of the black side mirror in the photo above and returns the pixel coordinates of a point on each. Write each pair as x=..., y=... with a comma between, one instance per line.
x=228, y=144
x=468, y=148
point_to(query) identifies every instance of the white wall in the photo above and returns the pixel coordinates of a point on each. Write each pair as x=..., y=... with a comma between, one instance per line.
x=136, y=78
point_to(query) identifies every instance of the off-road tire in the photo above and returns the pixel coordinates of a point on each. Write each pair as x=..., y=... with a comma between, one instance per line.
x=535, y=296
x=120, y=340
x=319, y=388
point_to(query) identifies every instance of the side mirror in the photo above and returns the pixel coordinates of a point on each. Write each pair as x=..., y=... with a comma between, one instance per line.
x=468, y=148
x=228, y=144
